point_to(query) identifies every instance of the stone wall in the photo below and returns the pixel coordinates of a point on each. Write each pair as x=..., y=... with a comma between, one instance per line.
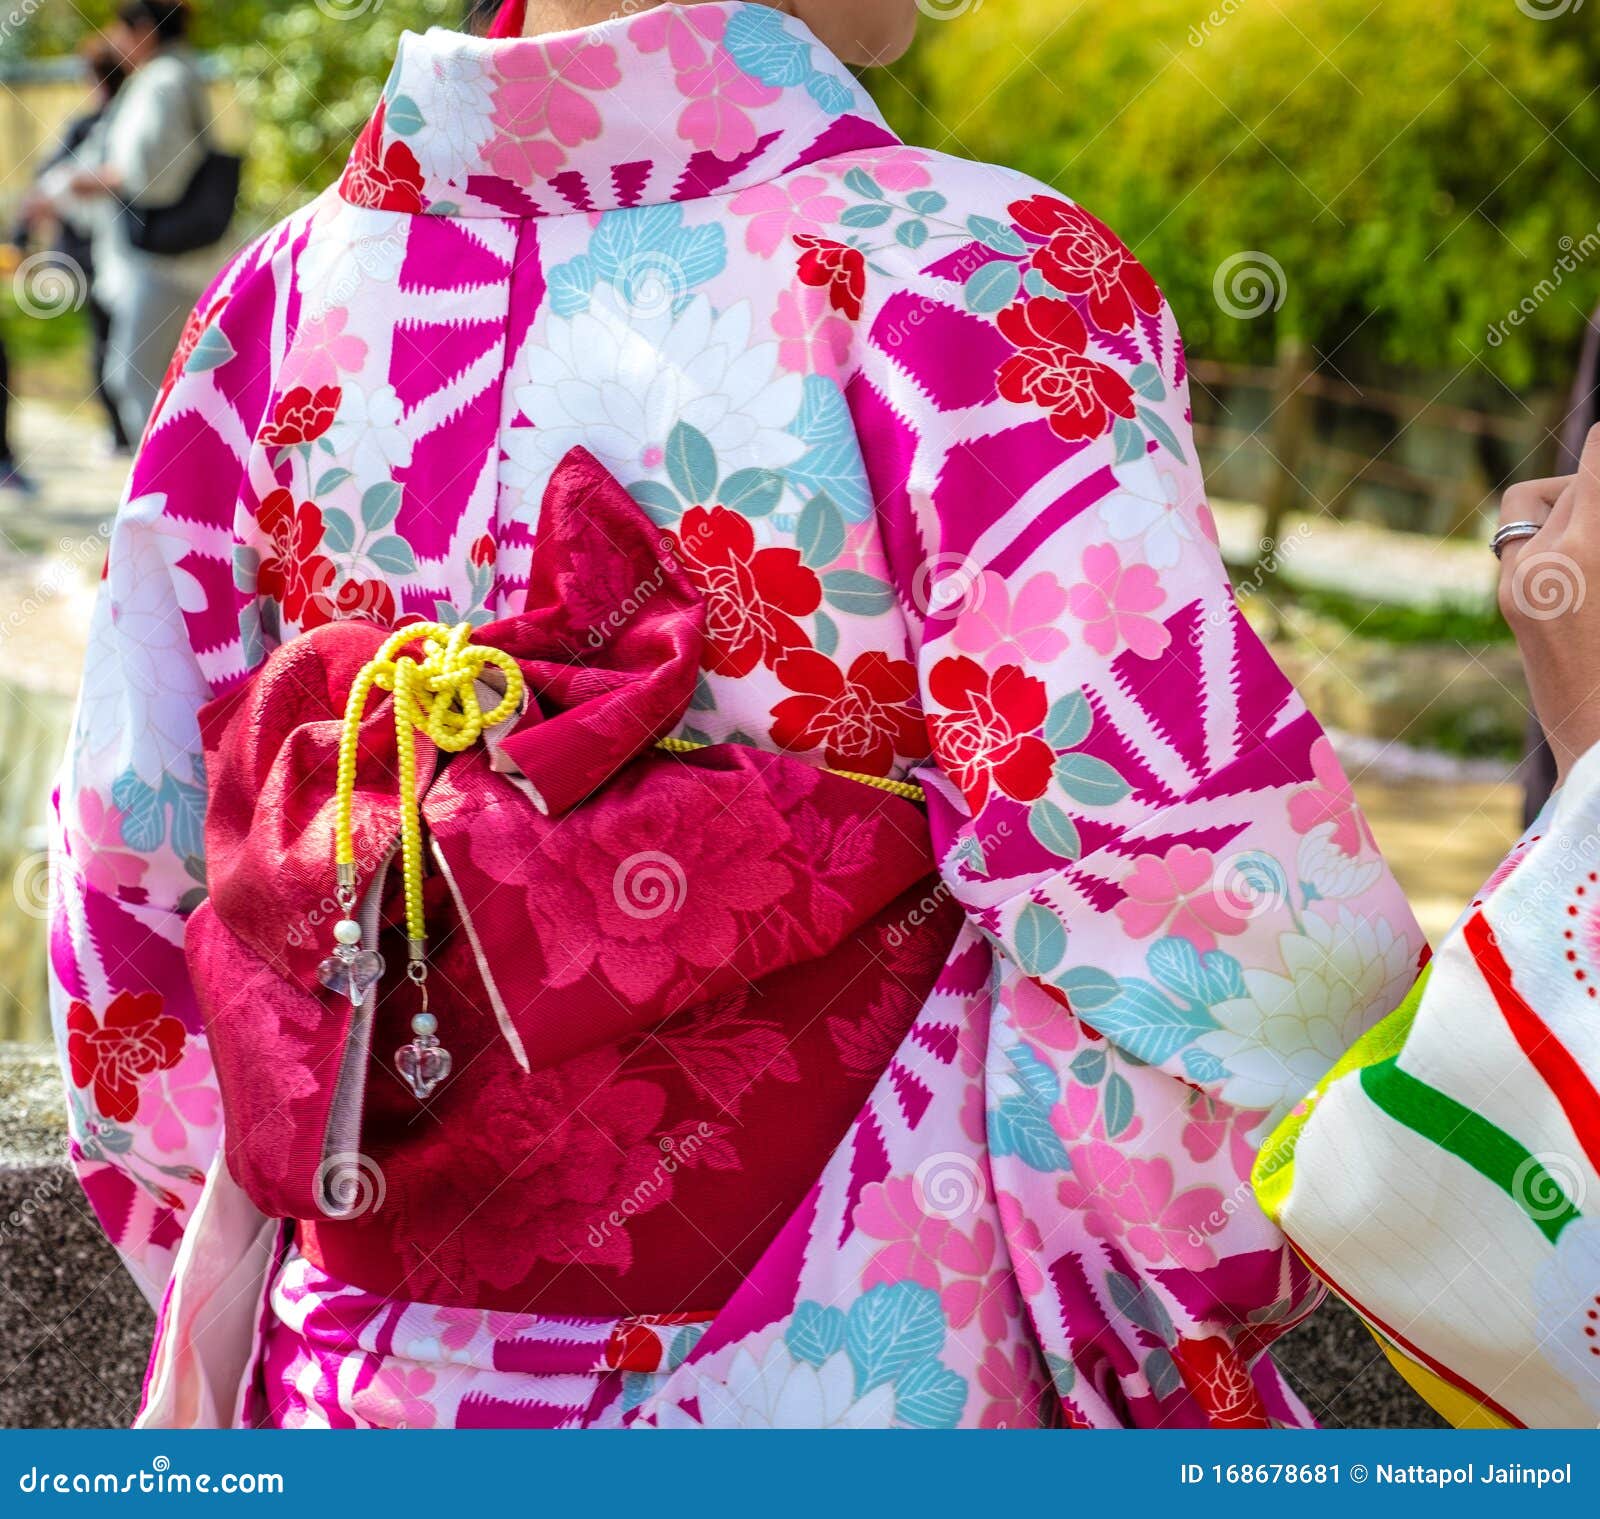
x=74, y=1332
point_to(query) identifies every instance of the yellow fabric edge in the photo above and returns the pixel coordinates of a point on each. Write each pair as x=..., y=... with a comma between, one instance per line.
x=1461, y=1409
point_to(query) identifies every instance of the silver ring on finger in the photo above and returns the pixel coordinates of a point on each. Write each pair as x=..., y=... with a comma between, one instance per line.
x=1512, y=532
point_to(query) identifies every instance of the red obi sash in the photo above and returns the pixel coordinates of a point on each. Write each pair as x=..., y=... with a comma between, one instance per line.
x=668, y=982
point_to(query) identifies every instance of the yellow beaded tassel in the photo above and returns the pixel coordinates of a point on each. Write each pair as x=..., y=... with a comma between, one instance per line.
x=437, y=697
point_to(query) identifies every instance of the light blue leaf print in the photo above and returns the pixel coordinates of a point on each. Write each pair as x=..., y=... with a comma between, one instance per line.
x=445, y=612
x=865, y=217
x=1147, y=1024
x=380, y=505
x=251, y=644
x=655, y=238
x=211, y=352
x=683, y=1344
x=1062, y=1373
x=1036, y=1074
x=1224, y=977
x=1162, y=1373
x=993, y=287
x=1088, y=1067
x=1127, y=440
x=832, y=461
x=116, y=1141
x=996, y=235
x=636, y=1387
x=571, y=285
x=833, y=95
x=859, y=182
x=1089, y=780
x=1203, y=1067
x=890, y=1329
x=911, y=234
x=752, y=492
x=338, y=530
x=1040, y=939
x=1140, y=1305
x=764, y=48
x=331, y=481
x=691, y=463
x=1088, y=989
x=703, y=700
x=1164, y=434
x=188, y=806
x=1175, y=963
x=820, y=531
x=1069, y=721
x=393, y=556
x=1118, y=1098
x=857, y=594
x=929, y=1396
x=926, y=202
x=1037, y=285
x=661, y=506
x=246, y=566
x=825, y=634
x=969, y=854
x=1018, y=1127
x=815, y=1332
x=403, y=116
x=144, y=825
x=1146, y=379
x=1055, y=830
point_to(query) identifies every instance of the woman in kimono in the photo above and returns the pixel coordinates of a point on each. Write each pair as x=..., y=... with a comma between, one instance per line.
x=865, y=466
x=1443, y=1176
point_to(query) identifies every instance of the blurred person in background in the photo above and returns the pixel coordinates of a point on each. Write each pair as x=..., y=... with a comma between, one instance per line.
x=711, y=436
x=51, y=199
x=13, y=478
x=155, y=141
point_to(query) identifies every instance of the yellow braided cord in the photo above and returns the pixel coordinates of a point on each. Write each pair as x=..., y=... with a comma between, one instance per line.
x=437, y=697
x=882, y=782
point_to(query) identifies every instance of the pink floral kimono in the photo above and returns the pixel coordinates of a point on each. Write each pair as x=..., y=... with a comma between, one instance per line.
x=917, y=430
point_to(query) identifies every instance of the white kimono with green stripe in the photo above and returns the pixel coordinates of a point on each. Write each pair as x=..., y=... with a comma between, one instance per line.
x=1444, y=1177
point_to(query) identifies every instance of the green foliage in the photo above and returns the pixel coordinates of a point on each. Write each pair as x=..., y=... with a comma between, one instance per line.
x=1413, y=168
x=1463, y=624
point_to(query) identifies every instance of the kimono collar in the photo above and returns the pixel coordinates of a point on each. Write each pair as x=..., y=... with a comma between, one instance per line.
x=673, y=103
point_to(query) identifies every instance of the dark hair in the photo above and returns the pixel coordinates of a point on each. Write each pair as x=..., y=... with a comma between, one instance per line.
x=480, y=15
x=104, y=65
x=169, y=18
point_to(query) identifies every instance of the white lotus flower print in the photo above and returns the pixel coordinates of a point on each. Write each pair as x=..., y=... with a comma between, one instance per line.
x=459, y=94
x=1332, y=874
x=1338, y=979
x=142, y=685
x=618, y=381
x=346, y=249
x=782, y=1392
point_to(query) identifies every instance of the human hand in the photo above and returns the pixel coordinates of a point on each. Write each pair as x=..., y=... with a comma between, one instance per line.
x=1550, y=597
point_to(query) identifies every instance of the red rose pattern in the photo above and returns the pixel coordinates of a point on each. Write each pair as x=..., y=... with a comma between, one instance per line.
x=1082, y=256
x=383, y=179
x=1050, y=369
x=302, y=416
x=113, y=1058
x=1218, y=1377
x=861, y=720
x=752, y=595
x=986, y=737
x=293, y=572
x=836, y=268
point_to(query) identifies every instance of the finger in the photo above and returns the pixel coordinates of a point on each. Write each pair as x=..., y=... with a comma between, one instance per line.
x=1561, y=514
x=1588, y=476
x=1531, y=500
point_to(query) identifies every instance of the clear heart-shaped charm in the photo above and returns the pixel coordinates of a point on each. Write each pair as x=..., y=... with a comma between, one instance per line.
x=424, y=1063
x=351, y=973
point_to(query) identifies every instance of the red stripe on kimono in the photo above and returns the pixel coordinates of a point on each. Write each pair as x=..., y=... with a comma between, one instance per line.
x=916, y=433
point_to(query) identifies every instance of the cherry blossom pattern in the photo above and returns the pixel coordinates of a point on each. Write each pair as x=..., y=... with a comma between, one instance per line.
x=1112, y=602
x=542, y=105
x=1180, y=894
x=1331, y=800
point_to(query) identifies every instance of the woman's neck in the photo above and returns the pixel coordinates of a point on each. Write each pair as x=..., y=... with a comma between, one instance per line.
x=568, y=15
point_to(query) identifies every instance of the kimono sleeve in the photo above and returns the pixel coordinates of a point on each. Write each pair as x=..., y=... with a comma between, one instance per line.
x=1132, y=802
x=127, y=825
